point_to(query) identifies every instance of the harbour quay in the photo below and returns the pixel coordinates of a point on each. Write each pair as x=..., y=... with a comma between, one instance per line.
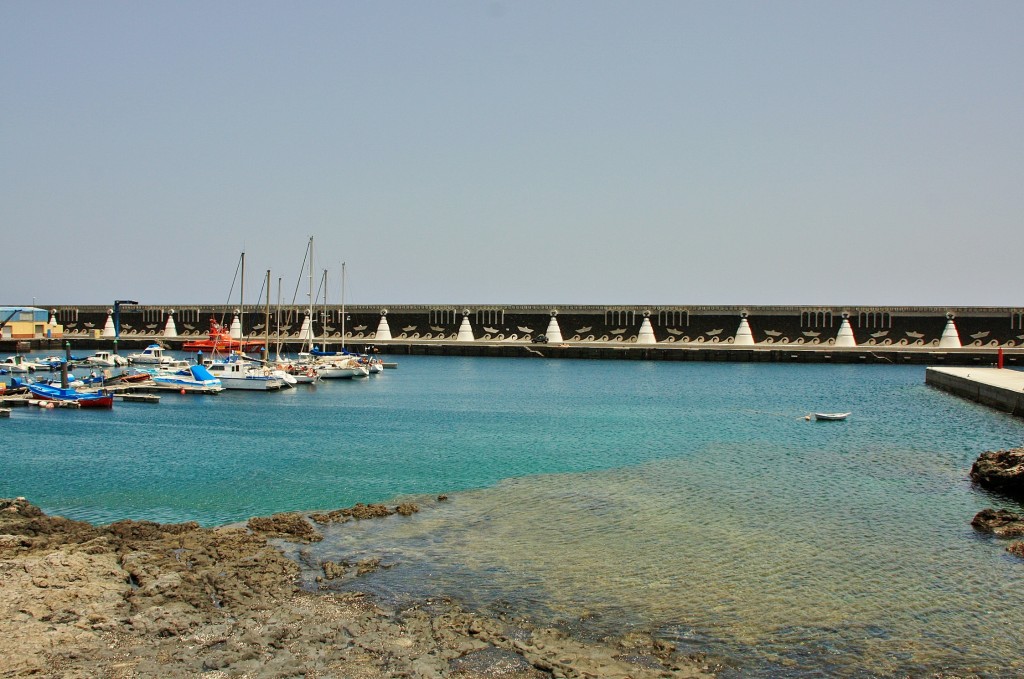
x=999, y=389
x=847, y=334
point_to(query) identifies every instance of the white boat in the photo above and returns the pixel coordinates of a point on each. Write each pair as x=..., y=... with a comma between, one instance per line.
x=20, y=364
x=193, y=377
x=151, y=355
x=301, y=373
x=373, y=363
x=287, y=379
x=334, y=367
x=831, y=417
x=107, y=359
x=237, y=373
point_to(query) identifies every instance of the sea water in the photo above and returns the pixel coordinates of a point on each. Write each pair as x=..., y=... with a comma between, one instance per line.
x=692, y=500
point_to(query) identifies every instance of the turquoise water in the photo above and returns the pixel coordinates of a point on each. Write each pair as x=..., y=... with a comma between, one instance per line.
x=691, y=499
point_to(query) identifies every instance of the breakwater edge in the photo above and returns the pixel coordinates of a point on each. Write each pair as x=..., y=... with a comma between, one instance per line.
x=900, y=335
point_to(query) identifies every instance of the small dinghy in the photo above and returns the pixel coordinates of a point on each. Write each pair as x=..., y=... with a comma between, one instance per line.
x=830, y=417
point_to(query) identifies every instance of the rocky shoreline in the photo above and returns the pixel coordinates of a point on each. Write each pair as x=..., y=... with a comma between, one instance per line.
x=140, y=599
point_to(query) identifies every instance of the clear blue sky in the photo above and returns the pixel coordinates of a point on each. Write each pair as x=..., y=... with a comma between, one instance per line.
x=571, y=152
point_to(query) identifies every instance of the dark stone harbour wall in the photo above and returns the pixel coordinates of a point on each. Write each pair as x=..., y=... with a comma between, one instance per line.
x=880, y=334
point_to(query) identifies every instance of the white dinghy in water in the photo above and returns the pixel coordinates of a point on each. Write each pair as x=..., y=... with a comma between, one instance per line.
x=830, y=417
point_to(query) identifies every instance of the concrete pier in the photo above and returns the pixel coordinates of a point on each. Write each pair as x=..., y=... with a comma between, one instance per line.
x=1001, y=389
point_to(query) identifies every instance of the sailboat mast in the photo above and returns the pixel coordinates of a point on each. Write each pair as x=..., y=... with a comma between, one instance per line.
x=343, y=307
x=241, y=298
x=277, y=329
x=266, y=341
x=307, y=341
x=324, y=284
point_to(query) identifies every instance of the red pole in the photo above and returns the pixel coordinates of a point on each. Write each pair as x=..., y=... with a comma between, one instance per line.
x=999, y=358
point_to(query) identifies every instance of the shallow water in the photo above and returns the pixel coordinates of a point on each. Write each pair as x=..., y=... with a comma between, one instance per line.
x=690, y=499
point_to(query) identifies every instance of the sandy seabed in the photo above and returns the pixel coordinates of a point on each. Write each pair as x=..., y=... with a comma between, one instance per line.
x=140, y=599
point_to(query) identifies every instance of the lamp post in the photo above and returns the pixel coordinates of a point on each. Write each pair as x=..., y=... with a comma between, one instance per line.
x=117, y=314
x=117, y=318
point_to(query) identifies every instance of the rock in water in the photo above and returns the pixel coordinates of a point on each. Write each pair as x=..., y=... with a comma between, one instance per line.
x=999, y=522
x=1001, y=471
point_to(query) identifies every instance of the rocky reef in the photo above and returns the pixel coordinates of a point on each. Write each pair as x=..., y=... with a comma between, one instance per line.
x=1001, y=471
x=140, y=599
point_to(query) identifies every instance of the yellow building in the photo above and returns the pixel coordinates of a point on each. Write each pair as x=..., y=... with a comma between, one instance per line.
x=25, y=322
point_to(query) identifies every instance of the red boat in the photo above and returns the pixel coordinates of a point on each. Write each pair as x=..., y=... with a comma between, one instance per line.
x=220, y=340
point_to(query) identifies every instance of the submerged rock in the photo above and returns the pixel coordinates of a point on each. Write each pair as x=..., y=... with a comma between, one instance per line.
x=999, y=522
x=493, y=662
x=290, y=526
x=1001, y=471
x=362, y=511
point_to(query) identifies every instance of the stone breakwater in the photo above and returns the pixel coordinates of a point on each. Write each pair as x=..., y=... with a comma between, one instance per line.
x=140, y=599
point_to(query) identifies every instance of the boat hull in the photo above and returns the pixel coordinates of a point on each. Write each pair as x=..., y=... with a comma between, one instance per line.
x=255, y=383
x=47, y=393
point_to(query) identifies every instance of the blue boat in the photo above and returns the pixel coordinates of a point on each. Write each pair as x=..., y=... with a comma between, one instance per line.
x=47, y=392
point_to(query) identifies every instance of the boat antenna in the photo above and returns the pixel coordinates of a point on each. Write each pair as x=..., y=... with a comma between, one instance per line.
x=241, y=263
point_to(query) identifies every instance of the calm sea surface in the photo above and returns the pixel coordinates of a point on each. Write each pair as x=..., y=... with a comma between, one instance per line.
x=692, y=500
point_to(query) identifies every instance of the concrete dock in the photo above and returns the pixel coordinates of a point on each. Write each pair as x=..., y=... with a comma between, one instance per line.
x=1002, y=389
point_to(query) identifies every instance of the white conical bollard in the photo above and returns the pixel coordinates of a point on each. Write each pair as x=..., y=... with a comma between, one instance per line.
x=744, y=336
x=845, y=337
x=306, y=331
x=108, y=327
x=950, y=337
x=646, y=334
x=465, y=330
x=236, y=327
x=383, y=329
x=170, y=329
x=554, y=333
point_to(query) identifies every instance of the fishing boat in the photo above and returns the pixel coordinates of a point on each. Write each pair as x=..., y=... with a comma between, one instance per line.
x=220, y=340
x=48, y=392
x=830, y=417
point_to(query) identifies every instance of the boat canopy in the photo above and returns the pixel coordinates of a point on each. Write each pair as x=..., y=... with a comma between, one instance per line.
x=201, y=373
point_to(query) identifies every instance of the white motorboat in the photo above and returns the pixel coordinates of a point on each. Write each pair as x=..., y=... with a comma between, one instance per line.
x=151, y=355
x=107, y=359
x=194, y=377
x=21, y=364
x=235, y=372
